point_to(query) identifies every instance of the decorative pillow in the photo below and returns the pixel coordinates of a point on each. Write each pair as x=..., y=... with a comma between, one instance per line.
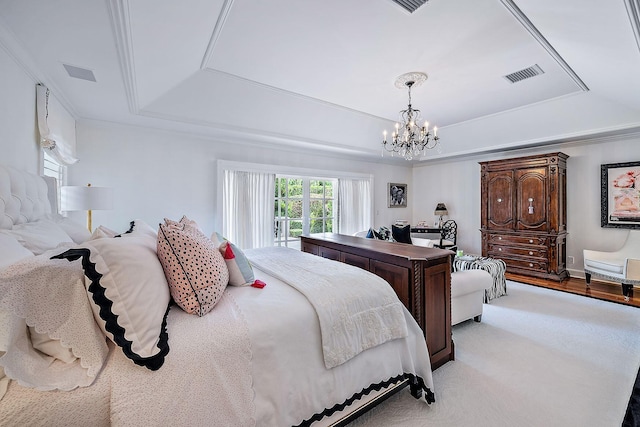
x=130, y=294
x=39, y=236
x=240, y=270
x=373, y=234
x=401, y=234
x=195, y=270
x=11, y=250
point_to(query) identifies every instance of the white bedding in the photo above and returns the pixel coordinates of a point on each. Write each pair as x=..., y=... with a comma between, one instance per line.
x=357, y=310
x=283, y=370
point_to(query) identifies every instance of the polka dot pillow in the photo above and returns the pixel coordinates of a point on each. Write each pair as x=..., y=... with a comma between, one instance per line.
x=194, y=268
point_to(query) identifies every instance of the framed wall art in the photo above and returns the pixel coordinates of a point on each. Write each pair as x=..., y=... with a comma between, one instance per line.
x=620, y=197
x=397, y=195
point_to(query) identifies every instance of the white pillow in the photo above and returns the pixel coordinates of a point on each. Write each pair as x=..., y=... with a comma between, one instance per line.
x=11, y=250
x=39, y=236
x=102, y=232
x=129, y=293
x=78, y=232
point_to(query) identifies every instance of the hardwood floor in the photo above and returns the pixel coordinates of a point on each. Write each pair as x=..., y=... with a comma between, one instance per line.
x=599, y=290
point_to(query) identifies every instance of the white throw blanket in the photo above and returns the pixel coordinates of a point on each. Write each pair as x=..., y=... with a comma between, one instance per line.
x=357, y=310
x=64, y=314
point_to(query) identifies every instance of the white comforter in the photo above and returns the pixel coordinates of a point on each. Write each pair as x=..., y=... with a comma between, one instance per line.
x=270, y=374
x=357, y=310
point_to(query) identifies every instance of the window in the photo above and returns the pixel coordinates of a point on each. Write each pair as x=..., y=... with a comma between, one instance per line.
x=303, y=205
x=50, y=167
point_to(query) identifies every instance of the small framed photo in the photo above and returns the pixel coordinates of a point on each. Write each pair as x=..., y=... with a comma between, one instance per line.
x=620, y=195
x=397, y=195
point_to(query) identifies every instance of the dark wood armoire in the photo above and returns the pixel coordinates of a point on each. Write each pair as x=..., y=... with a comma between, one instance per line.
x=524, y=214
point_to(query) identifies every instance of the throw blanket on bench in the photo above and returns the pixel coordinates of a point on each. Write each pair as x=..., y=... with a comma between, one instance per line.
x=357, y=310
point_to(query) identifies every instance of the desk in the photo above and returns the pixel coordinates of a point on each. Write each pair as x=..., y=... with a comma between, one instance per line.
x=495, y=267
x=426, y=230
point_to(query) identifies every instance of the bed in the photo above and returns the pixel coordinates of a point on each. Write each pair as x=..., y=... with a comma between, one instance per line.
x=307, y=341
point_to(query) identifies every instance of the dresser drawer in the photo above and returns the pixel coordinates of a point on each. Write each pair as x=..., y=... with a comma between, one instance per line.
x=502, y=250
x=508, y=239
x=532, y=264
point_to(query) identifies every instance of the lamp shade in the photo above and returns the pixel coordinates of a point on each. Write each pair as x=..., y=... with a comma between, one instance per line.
x=441, y=209
x=76, y=198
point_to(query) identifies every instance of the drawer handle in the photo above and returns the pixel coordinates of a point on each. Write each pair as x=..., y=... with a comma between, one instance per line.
x=499, y=238
x=500, y=249
x=530, y=241
x=530, y=265
x=499, y=200
x=530, y=253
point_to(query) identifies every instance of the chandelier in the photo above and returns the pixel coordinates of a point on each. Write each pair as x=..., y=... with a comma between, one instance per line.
x=410, y=137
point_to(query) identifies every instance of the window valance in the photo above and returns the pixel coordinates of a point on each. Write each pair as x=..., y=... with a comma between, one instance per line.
x=57, y=127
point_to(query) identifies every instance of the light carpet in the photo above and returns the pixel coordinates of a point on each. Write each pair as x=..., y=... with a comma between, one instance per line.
x=539, y=358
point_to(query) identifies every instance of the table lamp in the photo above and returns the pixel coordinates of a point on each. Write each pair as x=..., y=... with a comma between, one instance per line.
x=78, y=198
x=441, y=210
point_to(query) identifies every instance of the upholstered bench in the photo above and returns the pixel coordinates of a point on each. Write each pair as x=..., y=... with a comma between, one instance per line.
x=467, y=294
x=495, y=267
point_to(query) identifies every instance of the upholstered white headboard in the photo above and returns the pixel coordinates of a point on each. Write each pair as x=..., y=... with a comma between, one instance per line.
x=25, y=197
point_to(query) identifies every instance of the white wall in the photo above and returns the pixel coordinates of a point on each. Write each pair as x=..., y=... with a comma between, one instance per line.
x=457, y=184
x=157, y=174
x=18, y=123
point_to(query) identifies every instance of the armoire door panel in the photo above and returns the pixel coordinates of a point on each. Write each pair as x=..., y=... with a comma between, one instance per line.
x=531, y=203
x=500, y=200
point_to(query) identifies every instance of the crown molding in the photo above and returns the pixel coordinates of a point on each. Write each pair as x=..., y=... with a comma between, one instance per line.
x=633, y=9
x=528, y=25
x=121, y=27
x=217, y=30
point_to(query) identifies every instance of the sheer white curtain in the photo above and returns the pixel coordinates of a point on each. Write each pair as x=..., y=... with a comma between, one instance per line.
x=354, y=205
x=248, y=208
x=57, y=127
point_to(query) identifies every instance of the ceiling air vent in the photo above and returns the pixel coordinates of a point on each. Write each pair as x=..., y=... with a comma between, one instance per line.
x=79, y=73
x=410, y=5
x=524, y=74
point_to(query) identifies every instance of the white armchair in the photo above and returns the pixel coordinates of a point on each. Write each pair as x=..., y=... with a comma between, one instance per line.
x=621, y=266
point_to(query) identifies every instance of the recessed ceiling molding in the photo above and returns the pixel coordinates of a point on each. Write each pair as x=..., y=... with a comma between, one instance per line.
x=633, y=9
x=120, y=25
x=528, y=25
x=217, y=30
x=222, y=130
x=295, y=94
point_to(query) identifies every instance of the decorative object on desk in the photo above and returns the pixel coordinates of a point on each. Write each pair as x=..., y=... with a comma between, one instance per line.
x=78, y=198
x=397, y=194
x=422, y=224
x=459, y=253
x=410, y=137
x=448, y=236
x=384, y=233
x=441, y=210
x=620, y=195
